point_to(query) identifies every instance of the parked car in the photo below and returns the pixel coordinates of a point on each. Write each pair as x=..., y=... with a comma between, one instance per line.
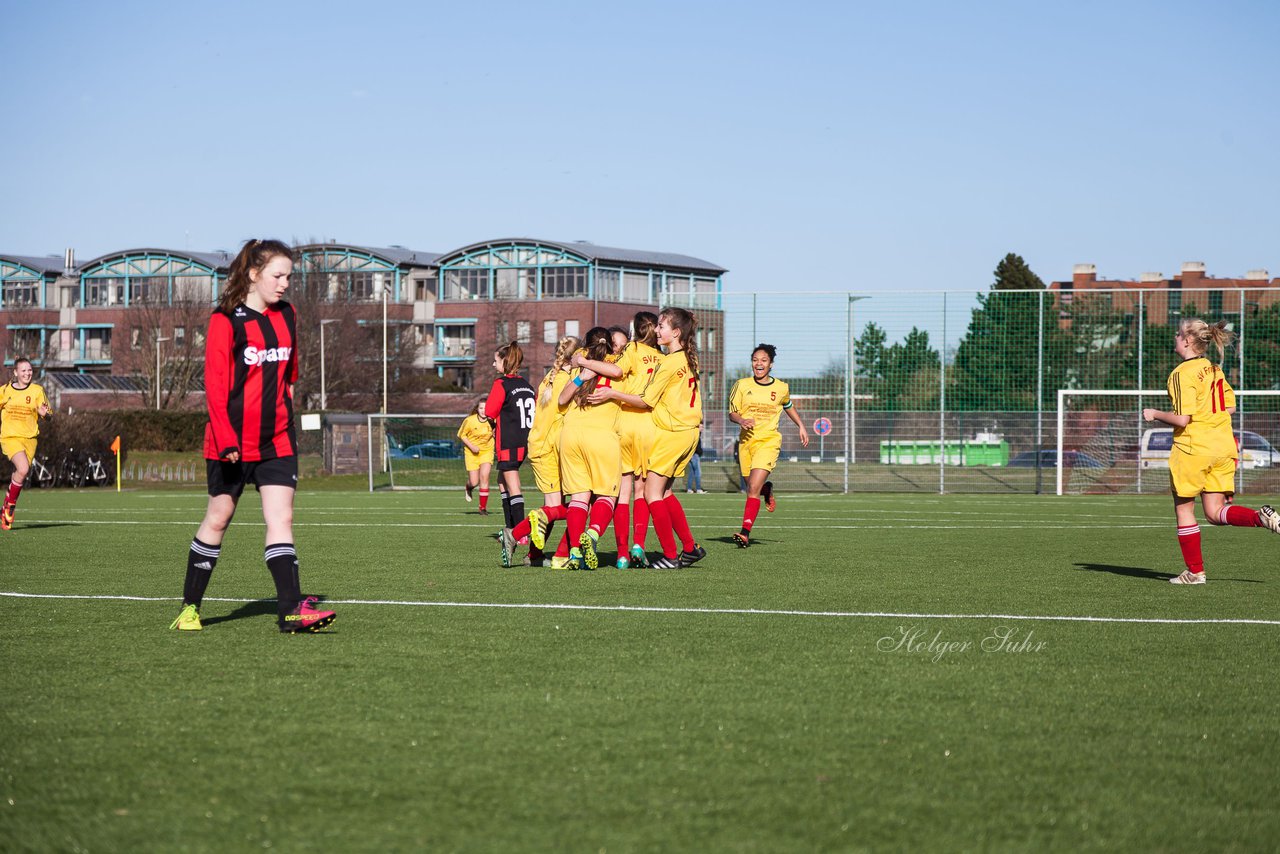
x=1255, y=450
x=431, y=449
x=1049, y=459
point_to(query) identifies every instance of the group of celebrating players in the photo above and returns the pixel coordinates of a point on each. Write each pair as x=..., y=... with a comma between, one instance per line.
x=610, y=427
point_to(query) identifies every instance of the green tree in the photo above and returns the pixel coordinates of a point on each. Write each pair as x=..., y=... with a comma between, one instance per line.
x=1013, y=274
x=904, y=367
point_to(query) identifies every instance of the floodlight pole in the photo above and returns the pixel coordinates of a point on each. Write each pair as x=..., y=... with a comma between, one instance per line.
x=158, y=341
x=384, y=349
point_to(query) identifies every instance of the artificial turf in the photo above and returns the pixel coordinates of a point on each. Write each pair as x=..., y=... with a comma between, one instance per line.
x=855, y=680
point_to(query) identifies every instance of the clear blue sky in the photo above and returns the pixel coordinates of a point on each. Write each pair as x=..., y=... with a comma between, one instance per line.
x=809, y=145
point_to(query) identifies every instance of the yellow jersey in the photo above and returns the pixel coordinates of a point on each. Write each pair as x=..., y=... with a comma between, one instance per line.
x=20, y=409
x=763, y=402
x=674, y=395
x=638, y=362
x=478, y=432
x=1198, y=388
x=548, y=416
x=600, y=416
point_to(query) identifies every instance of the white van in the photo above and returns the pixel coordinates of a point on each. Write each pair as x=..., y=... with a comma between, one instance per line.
x=1255, y=451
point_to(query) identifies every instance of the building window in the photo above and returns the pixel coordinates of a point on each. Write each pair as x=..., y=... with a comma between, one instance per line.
x=148, y=289
x=456, y=341
x=549, y=332
x=523, y=331
x=502, y=331
x=465, y=284
x=135, y=337
x=571, y=328
x=564, y=282
x=179, y=336
x=607, y=284
x=635, y=288
x=97, y=344
x=99, y=291
x=19, y=293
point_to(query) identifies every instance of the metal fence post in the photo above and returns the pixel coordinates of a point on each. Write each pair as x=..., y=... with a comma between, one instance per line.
x=1142, y=325
x=1039, y=392
x=942, y=404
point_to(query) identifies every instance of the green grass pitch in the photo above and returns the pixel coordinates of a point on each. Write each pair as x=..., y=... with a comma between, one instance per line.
x=857, y=680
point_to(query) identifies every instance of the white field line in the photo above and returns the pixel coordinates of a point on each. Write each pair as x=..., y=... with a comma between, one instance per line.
x=1084, y=526
x=653, y=609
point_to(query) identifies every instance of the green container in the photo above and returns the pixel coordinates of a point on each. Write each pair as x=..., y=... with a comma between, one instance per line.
x=908, y=452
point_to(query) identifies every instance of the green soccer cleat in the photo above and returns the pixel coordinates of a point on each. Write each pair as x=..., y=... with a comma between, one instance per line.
x=575, y=559
x=508, y=543
x=588, y=542
x=538, y=525
x=188, y=619
x=623, y=563
x=638, y=558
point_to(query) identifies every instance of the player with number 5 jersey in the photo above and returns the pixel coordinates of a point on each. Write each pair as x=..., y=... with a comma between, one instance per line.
x=675, y=400
x=510, y=405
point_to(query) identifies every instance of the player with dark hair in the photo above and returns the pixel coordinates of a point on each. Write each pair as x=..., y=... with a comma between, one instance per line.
x=251, y=365
x=673, y=395
x=22, y=405
x=755, y=405
x=1203, y=459
x=511, y=405
x=476, y=435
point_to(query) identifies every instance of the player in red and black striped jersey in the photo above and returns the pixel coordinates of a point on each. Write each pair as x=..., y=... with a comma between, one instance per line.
x=251, y=364
x=510, y=406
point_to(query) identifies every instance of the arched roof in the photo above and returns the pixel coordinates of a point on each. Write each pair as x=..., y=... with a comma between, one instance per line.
x=595, y=254
x=395, y=256
x=48, y=265
x=215, y=261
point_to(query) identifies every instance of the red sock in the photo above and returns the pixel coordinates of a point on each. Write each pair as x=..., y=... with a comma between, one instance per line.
x=622, y=528
x=522, y=529
x=577, y=521
x=1240, y=517
x=640, y=522
x=679, y=523
x=749, y=514
x=562, y=550
x=14, y=490
x=556, y=512
x=1189, y=542
x=484, y=497
x=601, y=514
x=662, y=527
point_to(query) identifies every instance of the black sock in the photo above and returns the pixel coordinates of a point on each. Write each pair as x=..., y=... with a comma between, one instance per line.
x=515, y=510
x=282, y=562
x=201, y=560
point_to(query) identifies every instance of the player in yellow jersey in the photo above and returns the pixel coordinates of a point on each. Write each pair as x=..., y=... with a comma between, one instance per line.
x=637, y=359
x=1203, y=459
x=544, y=457
x=756, y=404
x=476, y=434
x=674, y=398
x=590, y=458
x=22, y=405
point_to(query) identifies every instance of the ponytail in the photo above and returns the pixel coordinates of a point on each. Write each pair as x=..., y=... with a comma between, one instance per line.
x=645, y=326
x=254, y=255
x=564, y=352
x=511, y=356
x=599, y=344
x=1203, y=334
x=684, y=321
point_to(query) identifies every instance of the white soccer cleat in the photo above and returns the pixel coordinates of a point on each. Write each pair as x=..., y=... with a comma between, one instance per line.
x=1188, y=577
x=1270, y=518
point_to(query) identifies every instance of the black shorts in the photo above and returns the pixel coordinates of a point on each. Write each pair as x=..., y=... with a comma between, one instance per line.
x=509, y=465
x=231, y=478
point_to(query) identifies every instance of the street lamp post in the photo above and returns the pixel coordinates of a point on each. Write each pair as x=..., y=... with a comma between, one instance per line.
x=158, y=341
x=324, y=400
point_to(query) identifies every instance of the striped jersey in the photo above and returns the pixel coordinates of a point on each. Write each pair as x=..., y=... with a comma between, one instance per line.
x=674, y=395
x=1198, y=388
x=511, y=407
x=20, y=410
x=250, y=366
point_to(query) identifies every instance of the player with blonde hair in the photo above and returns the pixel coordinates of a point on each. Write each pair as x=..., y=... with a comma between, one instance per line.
x=1203, y=459
x=476, y=435
x=22, y=405
x=544, y=457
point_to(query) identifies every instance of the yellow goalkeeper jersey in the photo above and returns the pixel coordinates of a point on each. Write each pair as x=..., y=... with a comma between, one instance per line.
x=1198, y=388
x=19, y=410
x=674, y=394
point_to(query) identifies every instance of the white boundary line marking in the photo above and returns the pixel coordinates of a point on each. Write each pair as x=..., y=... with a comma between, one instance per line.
x=1083, y=526
x=765, y=612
